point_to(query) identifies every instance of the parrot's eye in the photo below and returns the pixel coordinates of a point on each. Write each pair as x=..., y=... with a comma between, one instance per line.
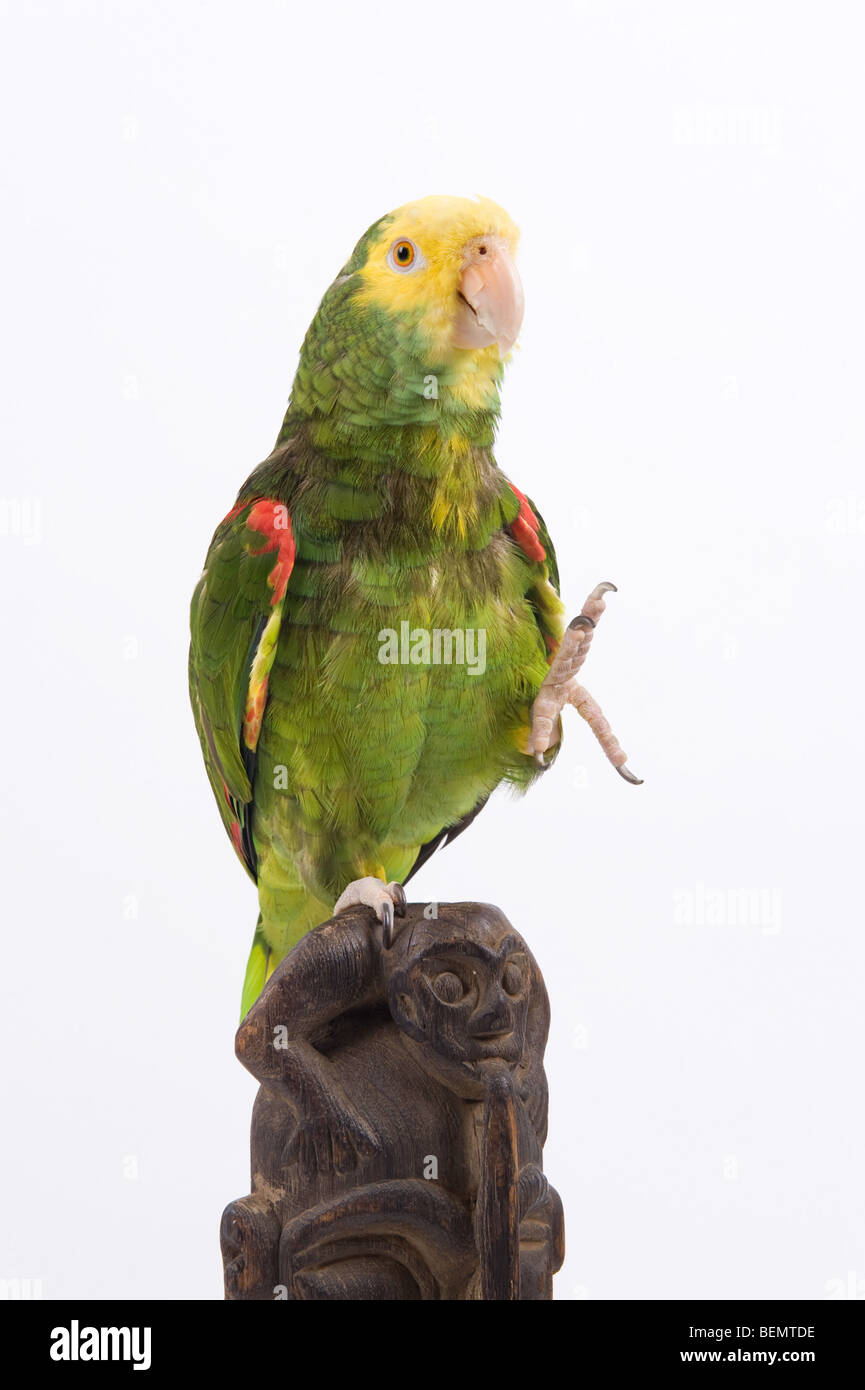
x=404, y=255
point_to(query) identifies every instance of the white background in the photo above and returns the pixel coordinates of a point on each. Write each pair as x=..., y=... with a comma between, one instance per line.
x=181, y=183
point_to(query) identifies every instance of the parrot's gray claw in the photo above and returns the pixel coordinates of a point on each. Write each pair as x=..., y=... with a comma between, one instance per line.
x=581, y=620
x=384, y=899
x=540, y=764
x=625, y=771
x=387, y=925
x=605, y=587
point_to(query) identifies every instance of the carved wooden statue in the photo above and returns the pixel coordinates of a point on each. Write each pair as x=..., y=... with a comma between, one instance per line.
x=398, y=1133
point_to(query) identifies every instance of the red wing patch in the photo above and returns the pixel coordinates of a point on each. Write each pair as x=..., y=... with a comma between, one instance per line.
x=272, y=520
x=526, y=527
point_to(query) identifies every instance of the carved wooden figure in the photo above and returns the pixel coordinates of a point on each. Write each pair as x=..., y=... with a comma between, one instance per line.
x=397, y=1136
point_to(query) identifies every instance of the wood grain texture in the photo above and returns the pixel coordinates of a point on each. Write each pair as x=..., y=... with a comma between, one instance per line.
x=397, y=1135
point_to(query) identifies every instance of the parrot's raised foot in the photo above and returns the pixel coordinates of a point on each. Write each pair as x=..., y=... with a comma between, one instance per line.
x=384, y=898
x=560, y=688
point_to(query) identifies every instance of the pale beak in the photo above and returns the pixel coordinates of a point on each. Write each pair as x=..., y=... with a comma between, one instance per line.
x=491, y=300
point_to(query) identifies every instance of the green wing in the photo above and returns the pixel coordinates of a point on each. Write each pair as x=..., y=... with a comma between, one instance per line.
x=235, y=618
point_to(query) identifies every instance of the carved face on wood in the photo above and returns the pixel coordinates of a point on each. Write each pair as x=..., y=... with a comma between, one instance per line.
x=463, y=996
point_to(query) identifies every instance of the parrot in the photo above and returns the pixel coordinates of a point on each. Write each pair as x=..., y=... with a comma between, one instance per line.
x=377, y=637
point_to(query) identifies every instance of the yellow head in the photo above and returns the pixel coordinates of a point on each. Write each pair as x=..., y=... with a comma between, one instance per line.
x=447, y=265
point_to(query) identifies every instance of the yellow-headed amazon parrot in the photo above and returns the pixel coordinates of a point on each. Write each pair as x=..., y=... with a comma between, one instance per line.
x=377, y=637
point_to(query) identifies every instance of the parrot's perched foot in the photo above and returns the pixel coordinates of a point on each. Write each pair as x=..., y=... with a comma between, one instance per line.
x=384, y=898
x=560, y=688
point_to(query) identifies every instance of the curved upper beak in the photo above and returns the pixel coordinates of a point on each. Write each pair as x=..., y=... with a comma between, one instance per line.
x=491, y=300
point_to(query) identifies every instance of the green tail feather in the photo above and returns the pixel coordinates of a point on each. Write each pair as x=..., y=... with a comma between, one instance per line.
x=259, y=966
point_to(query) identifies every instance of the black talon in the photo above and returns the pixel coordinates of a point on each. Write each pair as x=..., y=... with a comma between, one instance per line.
x=400, y=900
x=539, y=762
x=581, y=620
x=387, y=925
